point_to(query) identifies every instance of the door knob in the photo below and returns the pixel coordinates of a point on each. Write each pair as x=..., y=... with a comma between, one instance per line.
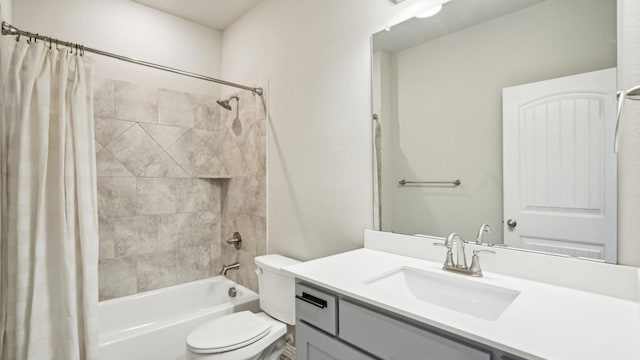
x=511, y=223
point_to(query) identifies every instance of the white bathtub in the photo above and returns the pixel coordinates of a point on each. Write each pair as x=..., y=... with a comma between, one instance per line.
x=154, y=325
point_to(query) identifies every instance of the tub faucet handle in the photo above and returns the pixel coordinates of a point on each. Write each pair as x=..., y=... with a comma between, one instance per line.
x=235, y=241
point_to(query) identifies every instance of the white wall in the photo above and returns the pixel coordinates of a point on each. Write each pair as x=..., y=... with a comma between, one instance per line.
x=449, y=94
x=6, y=9
x=316, y=54
x=130, y=29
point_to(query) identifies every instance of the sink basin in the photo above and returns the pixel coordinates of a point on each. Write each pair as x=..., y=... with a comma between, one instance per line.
x=459, y=294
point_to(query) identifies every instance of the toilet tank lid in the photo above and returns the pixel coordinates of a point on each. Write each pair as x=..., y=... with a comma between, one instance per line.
x=275, y=261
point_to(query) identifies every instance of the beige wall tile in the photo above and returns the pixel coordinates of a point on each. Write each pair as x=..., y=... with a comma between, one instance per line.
x=171, y=228
x=116, y=196
x=107, y=245
x=193, y=263
x=212, y=168
x=98, y=147
x=155, y=196
x=164, y=135
x=135, y=235
x=156, y=270
x=194, y=195
x=246, y=274
x=165, y=167
x=216, y=195
x=179, y=237
x=104, y=103
x=207, y=115
x=135, y=149
x=216, y=258
x=136, y=102
x=260, y=224
x=107, y=129
x=116, y=278
x=261, y=197
x=108, y=165
x=176, y=108
x=195, y=149
x=202, y=229
x=232, y=157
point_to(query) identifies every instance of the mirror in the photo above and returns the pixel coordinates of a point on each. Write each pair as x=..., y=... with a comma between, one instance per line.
x=515, y=99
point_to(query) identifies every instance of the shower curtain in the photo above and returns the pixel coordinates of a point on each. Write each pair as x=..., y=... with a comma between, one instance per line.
x=49, y=243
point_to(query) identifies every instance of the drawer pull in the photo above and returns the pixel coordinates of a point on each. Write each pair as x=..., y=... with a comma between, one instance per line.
x=315, y=301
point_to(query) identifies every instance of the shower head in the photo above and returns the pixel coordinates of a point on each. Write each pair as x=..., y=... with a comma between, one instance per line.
x=225, y=103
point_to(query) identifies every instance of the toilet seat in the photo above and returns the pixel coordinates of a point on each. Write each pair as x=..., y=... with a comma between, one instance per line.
x=227, y=333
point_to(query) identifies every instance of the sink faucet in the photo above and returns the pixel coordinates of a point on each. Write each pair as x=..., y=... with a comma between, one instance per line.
x=484, y=228
x=461, y=265
x=225, y=268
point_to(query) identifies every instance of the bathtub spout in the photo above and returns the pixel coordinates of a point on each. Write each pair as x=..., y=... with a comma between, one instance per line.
x=225, y=268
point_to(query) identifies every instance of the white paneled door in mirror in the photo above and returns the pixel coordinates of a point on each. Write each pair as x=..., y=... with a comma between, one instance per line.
x=559, y=165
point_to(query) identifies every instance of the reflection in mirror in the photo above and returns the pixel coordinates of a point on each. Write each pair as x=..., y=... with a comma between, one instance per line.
x=516, y=100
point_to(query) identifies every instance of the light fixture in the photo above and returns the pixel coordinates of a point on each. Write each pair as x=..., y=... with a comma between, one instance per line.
x=409, y=9
x=431, y=12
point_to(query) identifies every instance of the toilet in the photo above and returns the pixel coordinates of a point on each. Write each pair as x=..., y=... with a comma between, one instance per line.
x=246, y=335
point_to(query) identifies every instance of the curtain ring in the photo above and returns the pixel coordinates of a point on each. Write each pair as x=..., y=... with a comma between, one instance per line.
x=18, y=38
x=57, y=48
x=35, y=38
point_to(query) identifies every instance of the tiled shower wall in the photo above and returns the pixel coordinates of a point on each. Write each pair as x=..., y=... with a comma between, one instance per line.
x=244, y=196
x=160, y=220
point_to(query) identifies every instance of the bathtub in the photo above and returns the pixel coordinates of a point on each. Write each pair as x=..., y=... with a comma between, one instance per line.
x=154, y=325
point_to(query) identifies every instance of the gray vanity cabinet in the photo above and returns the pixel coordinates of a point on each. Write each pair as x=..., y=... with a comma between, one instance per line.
x=389, y=338
x=330, y=326
x=312, y=344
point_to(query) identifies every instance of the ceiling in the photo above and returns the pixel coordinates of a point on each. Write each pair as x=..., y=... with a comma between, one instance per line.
x=455, y=15
x=216, y=14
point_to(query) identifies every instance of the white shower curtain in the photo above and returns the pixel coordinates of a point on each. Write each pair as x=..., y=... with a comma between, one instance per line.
x=49, y=244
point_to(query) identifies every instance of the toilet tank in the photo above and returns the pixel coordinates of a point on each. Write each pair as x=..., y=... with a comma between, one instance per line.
x=276, y=287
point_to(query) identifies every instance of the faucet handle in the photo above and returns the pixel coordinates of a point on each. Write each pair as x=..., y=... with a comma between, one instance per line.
x=448, y=261
x=475, y=268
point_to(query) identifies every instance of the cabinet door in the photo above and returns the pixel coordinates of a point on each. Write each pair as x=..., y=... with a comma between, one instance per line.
x=392, y=339
x=312, y=344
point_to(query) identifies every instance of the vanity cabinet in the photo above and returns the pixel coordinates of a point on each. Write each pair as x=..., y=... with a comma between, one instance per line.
x=330, y=326
x=313, y=344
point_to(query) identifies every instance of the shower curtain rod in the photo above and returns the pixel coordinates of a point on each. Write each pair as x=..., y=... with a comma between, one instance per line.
x=10, y=30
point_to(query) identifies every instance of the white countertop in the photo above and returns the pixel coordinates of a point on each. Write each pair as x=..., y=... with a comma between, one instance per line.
x=543, y=322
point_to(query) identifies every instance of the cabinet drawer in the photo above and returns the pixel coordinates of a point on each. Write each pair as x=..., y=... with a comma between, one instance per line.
x=313, y=344
x=317, y=308
x=389, y=338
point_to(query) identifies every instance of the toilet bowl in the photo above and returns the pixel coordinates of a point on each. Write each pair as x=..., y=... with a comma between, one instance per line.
x=246, y=335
